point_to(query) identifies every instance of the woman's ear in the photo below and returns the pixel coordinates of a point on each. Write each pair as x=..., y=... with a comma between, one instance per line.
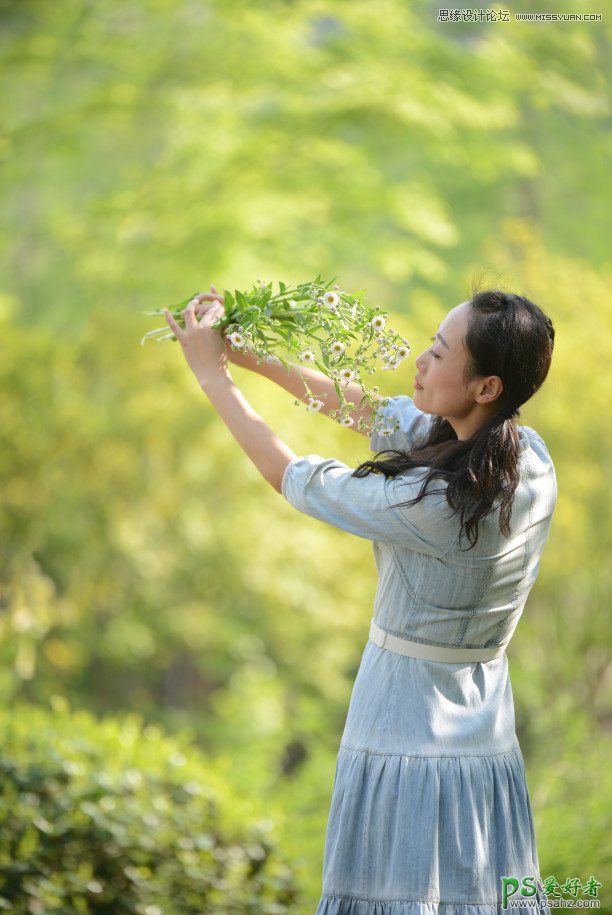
x=489, y=388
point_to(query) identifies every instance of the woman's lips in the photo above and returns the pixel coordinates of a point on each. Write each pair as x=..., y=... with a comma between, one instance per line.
x=418, y=386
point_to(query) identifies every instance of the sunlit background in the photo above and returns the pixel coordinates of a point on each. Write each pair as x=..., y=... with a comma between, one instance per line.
x=178, y=644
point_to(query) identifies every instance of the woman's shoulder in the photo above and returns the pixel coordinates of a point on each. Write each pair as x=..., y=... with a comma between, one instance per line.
x=399, y=424
x=537, y=471
x=533, y=448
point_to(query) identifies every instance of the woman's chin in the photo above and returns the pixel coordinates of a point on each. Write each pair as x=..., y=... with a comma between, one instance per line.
x=420, y=401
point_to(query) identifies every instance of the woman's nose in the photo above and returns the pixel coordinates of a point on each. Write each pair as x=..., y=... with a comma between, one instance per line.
x=419, y=362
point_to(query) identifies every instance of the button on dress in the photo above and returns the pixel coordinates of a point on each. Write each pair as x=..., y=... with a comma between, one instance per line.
x=430, y=806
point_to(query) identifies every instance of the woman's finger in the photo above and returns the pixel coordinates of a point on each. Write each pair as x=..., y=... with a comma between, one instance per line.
x=214, y=308
x=205, y=307
x=203, y=301
x=206, y=295
x=172, y=323
x=189, y=313
x=213, y=294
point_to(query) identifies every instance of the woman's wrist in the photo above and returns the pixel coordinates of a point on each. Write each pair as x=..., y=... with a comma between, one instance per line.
x=215, y=378
x=242, y=359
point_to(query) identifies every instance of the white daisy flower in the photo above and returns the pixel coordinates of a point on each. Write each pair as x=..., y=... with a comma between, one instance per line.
x=274, y=359
x=378, y=322
x=347, y=421
x=331, y=299
x=314, y=405
x=402, y=352
x=307, y=356
x=237, y=339
x=346, y=375
x=337, y=348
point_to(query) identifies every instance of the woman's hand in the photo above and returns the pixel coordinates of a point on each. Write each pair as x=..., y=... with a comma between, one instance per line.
x=204, y=350
x=204, y=299
x=236, y=356
x=203, y=346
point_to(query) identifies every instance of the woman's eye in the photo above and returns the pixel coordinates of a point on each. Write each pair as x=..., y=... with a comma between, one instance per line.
x=435, y=355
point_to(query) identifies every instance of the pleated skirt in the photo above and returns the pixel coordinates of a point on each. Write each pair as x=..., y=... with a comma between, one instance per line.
x=430, y=806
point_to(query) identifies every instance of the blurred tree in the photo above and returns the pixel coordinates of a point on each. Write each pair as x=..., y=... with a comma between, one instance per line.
x=151, y=146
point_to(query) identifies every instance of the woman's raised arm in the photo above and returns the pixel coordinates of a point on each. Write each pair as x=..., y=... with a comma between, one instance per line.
x=205, y=353
x=293, y=378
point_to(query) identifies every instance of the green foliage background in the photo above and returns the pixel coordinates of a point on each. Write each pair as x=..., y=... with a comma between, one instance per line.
x=150, y=148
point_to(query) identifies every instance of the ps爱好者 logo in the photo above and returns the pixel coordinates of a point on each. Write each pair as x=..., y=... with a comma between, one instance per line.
x=549, y=892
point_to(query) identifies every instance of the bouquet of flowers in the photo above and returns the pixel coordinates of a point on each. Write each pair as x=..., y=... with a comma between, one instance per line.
x=322, y=325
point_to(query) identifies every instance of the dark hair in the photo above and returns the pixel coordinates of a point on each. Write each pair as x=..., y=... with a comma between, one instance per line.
x=508, y=336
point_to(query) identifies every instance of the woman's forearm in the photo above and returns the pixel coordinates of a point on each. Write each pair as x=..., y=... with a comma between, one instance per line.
x=293, y=378
x=260, y=443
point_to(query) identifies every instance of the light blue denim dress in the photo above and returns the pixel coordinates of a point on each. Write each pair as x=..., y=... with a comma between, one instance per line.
x=430, y=806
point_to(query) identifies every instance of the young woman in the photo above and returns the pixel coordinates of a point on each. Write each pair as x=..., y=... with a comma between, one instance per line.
x=430, y=807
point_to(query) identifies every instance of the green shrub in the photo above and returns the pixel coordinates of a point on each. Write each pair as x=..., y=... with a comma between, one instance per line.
x=112, y=816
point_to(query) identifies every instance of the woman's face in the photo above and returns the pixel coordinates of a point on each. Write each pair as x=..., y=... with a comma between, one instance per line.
x=440, y=386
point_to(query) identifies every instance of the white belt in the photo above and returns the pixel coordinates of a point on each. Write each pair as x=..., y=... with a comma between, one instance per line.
x=384, y=639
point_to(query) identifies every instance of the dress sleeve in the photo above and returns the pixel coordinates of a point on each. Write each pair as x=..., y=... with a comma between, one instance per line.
x=325, y=488
x=414, y=425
